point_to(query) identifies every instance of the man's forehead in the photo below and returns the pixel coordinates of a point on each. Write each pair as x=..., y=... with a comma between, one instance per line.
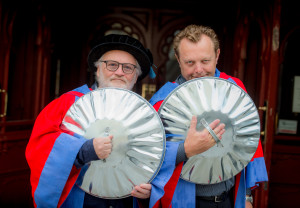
x=118, y=53
x=203, y=47
x=203, y=38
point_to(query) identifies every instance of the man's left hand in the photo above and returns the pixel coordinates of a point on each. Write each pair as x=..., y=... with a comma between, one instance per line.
x=142, y=191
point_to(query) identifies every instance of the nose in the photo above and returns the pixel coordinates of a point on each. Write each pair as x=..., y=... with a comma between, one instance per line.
x=119, y=70
x=198, y=68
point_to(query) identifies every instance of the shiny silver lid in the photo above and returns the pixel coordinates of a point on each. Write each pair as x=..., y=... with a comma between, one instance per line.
x=211, y=98
x=138, y=143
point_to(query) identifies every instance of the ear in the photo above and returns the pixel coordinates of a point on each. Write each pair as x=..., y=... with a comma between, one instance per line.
x=177, y=59
x=98, y=72
x=136, y=78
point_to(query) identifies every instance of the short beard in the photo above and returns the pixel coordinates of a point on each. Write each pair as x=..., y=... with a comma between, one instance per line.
x=104, y=83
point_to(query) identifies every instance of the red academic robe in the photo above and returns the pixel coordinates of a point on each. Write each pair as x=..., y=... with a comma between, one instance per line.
x=51, y=153
x=256, y=169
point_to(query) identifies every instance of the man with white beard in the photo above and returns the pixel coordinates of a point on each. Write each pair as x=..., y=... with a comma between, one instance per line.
x=56, y=157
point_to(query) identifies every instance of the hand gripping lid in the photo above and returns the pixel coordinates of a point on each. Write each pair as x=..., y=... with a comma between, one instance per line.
x=211, y=98
x=138, y=144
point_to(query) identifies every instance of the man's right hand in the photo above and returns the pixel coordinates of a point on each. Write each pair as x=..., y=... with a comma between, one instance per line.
x=197, y=142
x=103, y=146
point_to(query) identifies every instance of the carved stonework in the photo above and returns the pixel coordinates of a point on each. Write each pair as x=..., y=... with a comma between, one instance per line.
x=154, y=28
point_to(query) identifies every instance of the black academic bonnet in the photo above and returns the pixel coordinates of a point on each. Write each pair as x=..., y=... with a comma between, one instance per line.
x=123, y=43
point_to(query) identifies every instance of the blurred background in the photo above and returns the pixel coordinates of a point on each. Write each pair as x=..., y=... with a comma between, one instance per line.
x=43, y=53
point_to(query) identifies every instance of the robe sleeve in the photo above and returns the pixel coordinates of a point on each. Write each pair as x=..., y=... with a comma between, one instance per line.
x=50, y=154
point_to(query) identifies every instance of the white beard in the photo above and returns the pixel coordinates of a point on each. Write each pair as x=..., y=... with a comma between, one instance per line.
x=119, y=84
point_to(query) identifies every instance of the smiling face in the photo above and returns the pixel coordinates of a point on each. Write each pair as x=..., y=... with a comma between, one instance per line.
x=117, y=78
x=197, y=59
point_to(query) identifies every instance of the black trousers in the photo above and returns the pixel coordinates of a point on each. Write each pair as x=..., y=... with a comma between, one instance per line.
x=94, y=202
x=202, y=203
x=228, y=202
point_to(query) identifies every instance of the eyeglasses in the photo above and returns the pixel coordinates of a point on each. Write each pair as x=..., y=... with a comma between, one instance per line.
x=114, y=65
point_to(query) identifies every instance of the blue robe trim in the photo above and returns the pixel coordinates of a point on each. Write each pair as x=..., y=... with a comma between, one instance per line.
x=60, y=160
x=241, y=193
x=165, y=173
x=256, y=172
x=83, y=89
x=163, y=92
x=75, y=199
x=184, y=190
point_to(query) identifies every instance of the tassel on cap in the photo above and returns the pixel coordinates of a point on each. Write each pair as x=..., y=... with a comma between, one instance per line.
x=152, y=74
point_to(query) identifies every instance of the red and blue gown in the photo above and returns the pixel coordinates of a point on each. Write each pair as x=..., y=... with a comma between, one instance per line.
x=169, y=190
x=51, y=153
